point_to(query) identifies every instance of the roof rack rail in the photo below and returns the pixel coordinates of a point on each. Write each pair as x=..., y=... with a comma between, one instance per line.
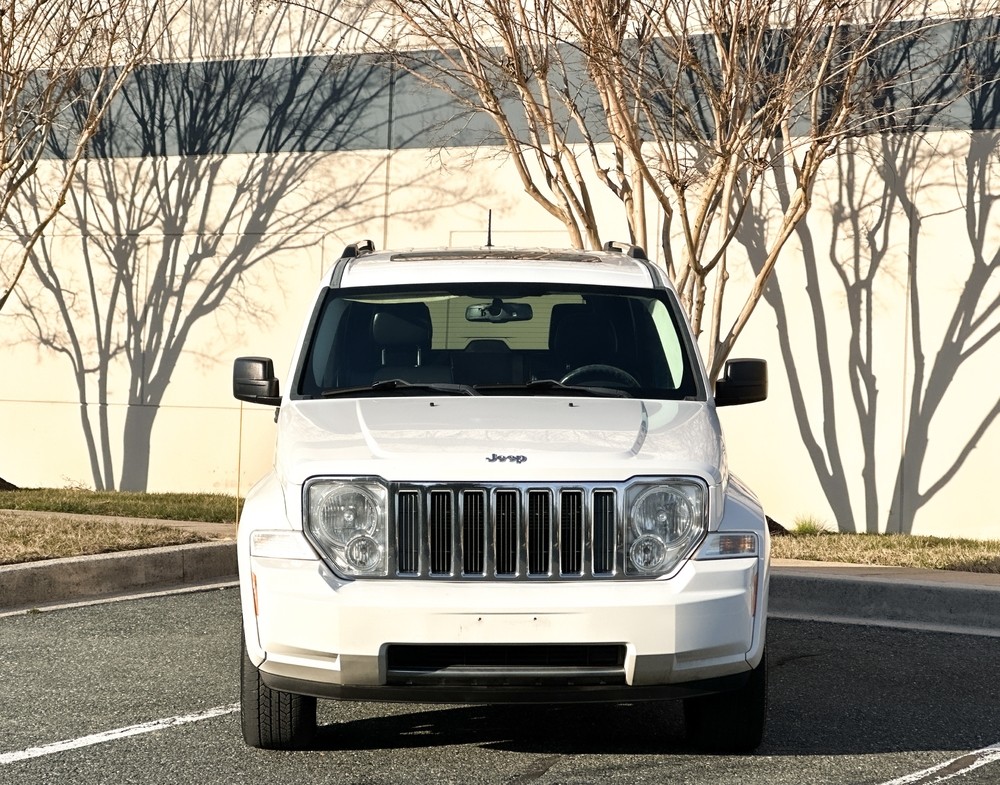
x=358, y=249
x=635, y=251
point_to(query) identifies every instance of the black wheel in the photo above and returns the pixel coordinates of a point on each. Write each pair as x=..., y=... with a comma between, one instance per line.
x=601, y=374
x=272, y=720
x=730, y=722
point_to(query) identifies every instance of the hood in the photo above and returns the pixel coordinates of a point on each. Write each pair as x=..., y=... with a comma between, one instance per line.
x=498, y=439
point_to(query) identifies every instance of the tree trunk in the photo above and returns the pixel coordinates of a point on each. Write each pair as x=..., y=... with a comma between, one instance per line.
x=135, y=463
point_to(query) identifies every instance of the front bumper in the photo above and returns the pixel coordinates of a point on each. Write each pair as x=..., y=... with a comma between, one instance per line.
x=310, y=632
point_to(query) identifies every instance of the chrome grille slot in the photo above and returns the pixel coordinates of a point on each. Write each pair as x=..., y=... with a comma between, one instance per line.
x=508, y=532
x=604, y=532
x=407, y=533
x=539, y=532
x=571, y=532
x=441, y=532
x=473, y=532
x=507, y=512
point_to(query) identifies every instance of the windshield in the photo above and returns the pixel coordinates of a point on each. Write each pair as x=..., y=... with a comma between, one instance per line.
x=498, y=339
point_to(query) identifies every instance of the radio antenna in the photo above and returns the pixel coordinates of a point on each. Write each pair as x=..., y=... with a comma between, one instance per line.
x=489, y=229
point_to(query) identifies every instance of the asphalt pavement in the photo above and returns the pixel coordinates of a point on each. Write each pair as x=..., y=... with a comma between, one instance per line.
x=932, y=600
x=146, y=692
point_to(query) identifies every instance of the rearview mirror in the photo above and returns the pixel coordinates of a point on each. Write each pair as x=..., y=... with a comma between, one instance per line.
x=498, y=312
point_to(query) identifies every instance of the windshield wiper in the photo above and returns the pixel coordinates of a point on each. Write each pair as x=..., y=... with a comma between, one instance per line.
x=390, y=385
x=552, y=386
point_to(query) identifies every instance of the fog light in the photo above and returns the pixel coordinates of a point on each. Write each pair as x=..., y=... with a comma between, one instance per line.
x=647, y=553
x=363, y=554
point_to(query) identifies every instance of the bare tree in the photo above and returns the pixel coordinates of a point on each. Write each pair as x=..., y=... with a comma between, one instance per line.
x=688, y=111
x=197, y=155
x=882, y=205
x=202, y=171
x=61, y=64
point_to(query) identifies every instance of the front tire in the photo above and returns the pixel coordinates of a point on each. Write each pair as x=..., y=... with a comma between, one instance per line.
x=272, y=720
x=730, y=722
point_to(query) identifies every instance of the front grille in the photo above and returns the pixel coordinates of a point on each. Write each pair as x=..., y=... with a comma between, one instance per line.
x=519, y=532
x=507, y=657
x=512, y=665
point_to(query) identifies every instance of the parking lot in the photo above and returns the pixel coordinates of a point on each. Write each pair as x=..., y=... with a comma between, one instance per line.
x=146, y=690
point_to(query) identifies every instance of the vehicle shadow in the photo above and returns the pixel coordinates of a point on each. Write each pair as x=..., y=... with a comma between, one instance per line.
x=570, y=729
x=834, y=690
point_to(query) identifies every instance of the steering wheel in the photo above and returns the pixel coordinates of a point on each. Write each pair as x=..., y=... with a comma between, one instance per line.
x=595, y=374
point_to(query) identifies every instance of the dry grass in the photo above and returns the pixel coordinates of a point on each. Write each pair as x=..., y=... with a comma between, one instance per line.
x=34, y=539
x=211, y=507
x=897, y=550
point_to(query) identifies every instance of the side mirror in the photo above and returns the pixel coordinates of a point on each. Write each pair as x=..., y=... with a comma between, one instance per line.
x=742, y=381
x=254, y=381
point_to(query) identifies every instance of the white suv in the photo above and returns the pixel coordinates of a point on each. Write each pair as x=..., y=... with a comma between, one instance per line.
x=499, y=477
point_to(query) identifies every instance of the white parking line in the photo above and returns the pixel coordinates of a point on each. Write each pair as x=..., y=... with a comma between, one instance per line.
x=119, y=733
x=140, y=595
x=952, y=768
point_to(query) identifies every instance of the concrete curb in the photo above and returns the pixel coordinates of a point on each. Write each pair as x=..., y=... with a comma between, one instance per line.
x=913, y=599
x=54, y=581
x=937, y=600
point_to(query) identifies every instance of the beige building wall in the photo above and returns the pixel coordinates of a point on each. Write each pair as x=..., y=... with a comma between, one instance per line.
x=895, y=399
x=878, y=329
x=204, y=440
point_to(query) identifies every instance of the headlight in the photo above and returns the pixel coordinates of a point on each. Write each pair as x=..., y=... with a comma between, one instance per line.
x=347, y=521
x=665, y=521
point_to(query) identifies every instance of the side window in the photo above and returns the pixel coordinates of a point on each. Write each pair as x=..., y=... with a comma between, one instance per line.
x=316, y=374
x=341, y=352
x=670, y=341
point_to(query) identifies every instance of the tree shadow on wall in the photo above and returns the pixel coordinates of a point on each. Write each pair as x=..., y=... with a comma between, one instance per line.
x=880, y=211
x=203, y=172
